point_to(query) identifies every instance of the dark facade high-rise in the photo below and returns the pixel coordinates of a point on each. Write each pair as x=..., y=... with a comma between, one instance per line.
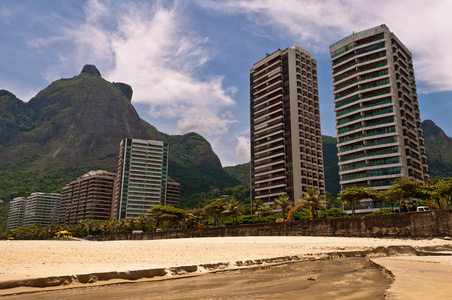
x=286, y=141
x=87, y=198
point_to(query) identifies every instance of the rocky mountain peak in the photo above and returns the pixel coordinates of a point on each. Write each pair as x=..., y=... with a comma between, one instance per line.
x=125, y=89
x=91, y=70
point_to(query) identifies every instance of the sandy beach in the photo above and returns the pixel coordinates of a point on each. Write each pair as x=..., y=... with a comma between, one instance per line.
x=22, y=261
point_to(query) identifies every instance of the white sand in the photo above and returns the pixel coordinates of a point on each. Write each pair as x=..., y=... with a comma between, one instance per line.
x=37, y=259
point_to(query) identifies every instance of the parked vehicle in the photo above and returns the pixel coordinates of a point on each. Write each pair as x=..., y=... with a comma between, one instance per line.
x=423, y=208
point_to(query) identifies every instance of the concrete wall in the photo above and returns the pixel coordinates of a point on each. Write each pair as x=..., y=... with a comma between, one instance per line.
x=411, y=224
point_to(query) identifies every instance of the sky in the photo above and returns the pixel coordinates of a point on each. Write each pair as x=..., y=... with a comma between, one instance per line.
x=188, y=61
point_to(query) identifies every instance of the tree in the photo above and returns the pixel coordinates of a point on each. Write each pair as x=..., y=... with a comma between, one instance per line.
x=122, y=225
x=215, y=210
x=442, y=190
x=263, y=210
x=313, y=201
x=196, y=214
x=131, y=223
x=407, y=189
x=103, y=227
x=113, y=224
x=143, y=219
x=256, y=204
x=167, y=213
x=233, y=208
x=331, y=201
x=353, y=195
x=390, y=196
x=284, y=203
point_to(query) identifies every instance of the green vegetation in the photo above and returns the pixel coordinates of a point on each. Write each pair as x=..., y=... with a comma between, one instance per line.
x=433, y=134
x=167, y=215
x=195, y=166
x=4, y=209
x=403, y=192
x=18, y=179
x=312, y=200
x=240, y=192
x=353, y=195
x=240, y=172
x=283, y=203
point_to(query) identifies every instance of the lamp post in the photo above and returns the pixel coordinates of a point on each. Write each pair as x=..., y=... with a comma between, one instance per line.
x=440, y=157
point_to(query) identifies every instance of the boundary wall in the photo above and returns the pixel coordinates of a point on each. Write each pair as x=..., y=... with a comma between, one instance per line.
x=403, y=225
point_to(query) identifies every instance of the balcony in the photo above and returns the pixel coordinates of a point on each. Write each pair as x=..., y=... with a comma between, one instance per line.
x=378, y=102
x=381, y=121
x=347, y=110
x=349, y=128
x=348, y=119
x=378, y=112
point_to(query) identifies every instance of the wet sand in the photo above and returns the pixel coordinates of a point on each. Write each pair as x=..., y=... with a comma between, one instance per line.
x=346, y=278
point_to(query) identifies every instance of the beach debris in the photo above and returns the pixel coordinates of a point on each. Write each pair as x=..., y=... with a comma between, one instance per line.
x=311, y=279
x=447, y=238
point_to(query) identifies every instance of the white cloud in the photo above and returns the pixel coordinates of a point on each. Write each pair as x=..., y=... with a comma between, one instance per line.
x=242, y=149
x=150, y=47
x=423, y=26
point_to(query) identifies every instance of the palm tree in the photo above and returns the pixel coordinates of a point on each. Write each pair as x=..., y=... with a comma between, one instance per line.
x=113, y=223
x=196, y=214
x=284, y=203
x=313, y=200
x=86, y=226
x=103, y=227
x=81, y=226
x=143, y=219
x=131, y=223
x=233, y=208
x=122, y=225
x=257, y=204
x=215, y=210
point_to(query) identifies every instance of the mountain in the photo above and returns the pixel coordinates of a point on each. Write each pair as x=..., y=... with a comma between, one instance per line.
x=433, y=134
x=241, y=172
x=75, y=125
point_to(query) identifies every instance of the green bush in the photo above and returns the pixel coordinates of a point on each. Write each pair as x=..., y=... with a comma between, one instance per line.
x=382, y=211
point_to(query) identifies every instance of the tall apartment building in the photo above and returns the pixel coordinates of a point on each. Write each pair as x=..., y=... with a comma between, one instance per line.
x=16, y=212
x=172, y=192
x=286, y=142
x=87, y=198
x=379, y=135
x=141, y=178
x=41, y=208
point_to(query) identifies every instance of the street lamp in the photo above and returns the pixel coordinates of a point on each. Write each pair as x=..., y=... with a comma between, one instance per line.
x=440, y=157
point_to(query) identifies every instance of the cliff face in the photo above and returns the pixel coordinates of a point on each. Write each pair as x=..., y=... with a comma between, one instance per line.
x=432, y=135
x=14, y=117
x=80, y=121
